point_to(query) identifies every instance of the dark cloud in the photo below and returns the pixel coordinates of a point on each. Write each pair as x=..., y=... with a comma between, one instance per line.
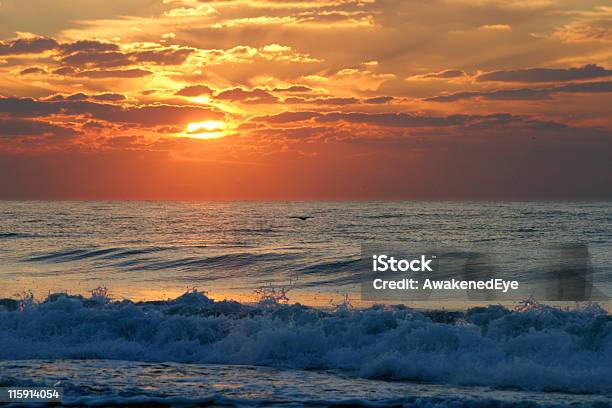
x=27, y=46
x=407, y=120
x=322, y=100
x=546, y=74
x=165, y=56
x=64, y=71
x=286, y=117
x=123, y=141
x=150, y=115
x=294, y=88
x=103, y=73
x=336, y=101
x=92, y=54
x=333, y=101
x=255, y=95
x=195, y=90
x=332, y=16
x=80, y=96
x=380, y=119
x=39, y=45
x=88, y=45
x=109, y=96
x=168, y=129
x=505, y=94
x=28, y=107
x=525, y=93
x=586, y=87
x=114, y=73
x=395, y=119
x=378, y=99
x=24, y=127
x=91, y=124
x=95, y=53
x=144, y=115
x=33, y=70
x=97, y=59
x=449, y=73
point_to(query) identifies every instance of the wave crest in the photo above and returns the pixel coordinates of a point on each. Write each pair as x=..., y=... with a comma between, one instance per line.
x=543, y=348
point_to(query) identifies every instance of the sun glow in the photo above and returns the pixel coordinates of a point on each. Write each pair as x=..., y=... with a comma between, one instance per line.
x=209, y=129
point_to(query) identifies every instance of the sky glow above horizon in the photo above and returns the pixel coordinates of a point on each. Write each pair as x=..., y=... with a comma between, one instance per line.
x=331, y=99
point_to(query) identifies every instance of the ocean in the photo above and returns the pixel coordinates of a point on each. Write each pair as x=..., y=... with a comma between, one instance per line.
x=247, y=304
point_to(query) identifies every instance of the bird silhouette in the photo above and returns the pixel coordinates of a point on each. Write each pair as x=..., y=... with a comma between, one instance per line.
x=301, y=217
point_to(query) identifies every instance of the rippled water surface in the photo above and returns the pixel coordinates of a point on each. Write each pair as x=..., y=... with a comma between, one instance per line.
x=155, y=250
x=104, y=383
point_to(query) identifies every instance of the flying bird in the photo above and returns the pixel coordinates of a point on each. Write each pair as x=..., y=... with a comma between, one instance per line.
x=301, y=217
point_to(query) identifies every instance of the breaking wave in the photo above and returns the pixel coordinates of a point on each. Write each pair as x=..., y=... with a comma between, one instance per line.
x=538, y=348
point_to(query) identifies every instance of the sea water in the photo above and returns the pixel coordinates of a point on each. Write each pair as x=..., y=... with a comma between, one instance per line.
x=146, y=336
x=156, y=250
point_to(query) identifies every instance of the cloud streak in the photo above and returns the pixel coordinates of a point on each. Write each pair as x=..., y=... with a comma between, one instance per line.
x=526, y=93
x=590, y=71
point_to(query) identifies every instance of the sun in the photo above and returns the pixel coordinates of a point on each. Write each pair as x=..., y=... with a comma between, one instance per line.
x=206, y=126
x=208, y=129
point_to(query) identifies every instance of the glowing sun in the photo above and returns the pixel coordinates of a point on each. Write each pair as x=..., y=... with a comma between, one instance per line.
x=209, y=129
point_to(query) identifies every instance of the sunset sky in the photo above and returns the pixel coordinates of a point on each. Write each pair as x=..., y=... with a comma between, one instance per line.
x=339, y=99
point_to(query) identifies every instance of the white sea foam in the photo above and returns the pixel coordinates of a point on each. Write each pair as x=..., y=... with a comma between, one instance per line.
x=542, y=348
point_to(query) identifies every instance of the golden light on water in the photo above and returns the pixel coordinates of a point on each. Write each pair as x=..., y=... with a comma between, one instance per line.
x=208, y=129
